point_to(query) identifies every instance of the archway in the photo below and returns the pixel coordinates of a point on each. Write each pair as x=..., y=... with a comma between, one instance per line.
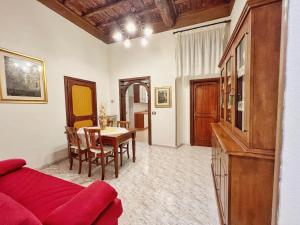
x=124, y=84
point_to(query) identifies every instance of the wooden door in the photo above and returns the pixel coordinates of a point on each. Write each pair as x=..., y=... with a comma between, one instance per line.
x=204, y=110
x=136, y=93
x=81, y=102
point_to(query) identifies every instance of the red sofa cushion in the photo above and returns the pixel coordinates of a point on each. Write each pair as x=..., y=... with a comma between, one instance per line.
x=41, y=194
x=85, y=207
x=38, y=192
x=12, y=213
x=10, y=165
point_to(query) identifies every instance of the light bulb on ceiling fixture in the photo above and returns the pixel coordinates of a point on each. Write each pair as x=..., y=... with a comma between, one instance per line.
x=118, y=36
x=148, y=31
x=144, y=42
x=127, y=43
x=131, y=27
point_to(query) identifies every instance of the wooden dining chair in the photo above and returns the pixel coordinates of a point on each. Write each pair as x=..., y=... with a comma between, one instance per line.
x=124, y=146
x=96, y=149
x=75, y=148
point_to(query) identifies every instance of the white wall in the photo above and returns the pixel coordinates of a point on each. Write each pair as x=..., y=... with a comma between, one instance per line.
x=140, y=107
x=236, y=12
x=36, y=132
x=289, y=196
x=156, y=60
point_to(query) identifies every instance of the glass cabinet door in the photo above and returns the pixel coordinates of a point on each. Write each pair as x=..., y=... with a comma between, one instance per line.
x=229, y=92
x=241, y=76
x=222, y=99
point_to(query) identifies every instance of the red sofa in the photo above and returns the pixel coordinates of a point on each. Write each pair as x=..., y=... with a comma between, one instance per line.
x=31, y=197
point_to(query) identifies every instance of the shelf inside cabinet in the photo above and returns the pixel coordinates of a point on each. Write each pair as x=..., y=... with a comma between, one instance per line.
x=229, y=92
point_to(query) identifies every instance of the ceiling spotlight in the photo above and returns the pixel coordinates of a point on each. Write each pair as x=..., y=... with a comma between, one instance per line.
x=118, y=36
x=144, y=42
x=148, y=31
x=131, y=27
x=127, y=43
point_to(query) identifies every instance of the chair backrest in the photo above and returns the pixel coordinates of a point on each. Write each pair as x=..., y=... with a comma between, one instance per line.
x=124, y=124
x=110, y=123
x=93, y=138
x=73, y=139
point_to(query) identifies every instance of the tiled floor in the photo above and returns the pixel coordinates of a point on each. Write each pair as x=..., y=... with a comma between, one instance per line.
x=142, y=135
x=165, y=186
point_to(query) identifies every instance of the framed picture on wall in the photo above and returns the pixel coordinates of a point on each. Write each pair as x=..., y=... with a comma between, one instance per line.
x=163, y=97
x=22, y=78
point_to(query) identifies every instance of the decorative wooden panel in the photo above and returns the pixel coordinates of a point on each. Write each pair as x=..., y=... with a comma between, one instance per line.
x=82, y=98
x=81, y=102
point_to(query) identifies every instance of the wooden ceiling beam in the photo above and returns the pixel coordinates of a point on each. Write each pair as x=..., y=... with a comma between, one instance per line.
x=167, y=11
x=200, y=16
x=104, y=8
x=138, y=3
x=67, y=13
x=191, y=18
x=148, y=10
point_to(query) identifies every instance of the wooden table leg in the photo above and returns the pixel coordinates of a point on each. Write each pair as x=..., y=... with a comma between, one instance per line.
x=116, y=159
x=133, y=147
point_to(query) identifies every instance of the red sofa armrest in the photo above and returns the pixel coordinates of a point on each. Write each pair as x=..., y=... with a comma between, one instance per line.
x=9, y=165
x=85, y=207
x=12, y=212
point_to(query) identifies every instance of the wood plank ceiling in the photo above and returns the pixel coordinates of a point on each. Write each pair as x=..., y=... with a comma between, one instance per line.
x=102, y=17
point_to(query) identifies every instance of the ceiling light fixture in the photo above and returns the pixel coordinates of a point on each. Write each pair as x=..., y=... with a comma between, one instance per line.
x=118, y=36
x=128, y=30
x=127, y=43
x=144, y=42
x=131, y=27
x=148, y=31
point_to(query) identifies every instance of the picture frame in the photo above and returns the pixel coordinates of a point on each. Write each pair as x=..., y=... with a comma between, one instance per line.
x=22, y=78
x=163, y=97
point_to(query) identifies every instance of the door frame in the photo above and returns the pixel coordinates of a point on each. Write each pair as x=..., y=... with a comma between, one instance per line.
x=192, y=83
x=69, y=104
x=124, y=84
x=280, y=111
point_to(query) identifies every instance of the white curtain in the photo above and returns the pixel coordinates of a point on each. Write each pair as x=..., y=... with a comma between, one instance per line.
x=198, y=51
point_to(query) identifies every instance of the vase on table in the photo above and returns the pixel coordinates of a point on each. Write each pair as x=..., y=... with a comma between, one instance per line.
x=103, y=122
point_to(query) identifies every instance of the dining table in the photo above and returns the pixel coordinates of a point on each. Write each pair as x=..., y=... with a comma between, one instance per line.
x=113, y=136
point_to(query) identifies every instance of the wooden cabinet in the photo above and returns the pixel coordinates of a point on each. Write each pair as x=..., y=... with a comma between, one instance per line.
x=141, y=120
x=244, y=140
x=220, y=171
x=136, y=93
x=243, y=181
x=250, y=90
x=140, y=94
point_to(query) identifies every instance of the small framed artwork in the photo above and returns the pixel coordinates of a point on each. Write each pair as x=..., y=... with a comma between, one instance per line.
x=163, y=97
x=22, y=78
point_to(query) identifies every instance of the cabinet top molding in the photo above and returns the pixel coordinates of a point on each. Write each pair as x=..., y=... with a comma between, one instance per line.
x=250, y=4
